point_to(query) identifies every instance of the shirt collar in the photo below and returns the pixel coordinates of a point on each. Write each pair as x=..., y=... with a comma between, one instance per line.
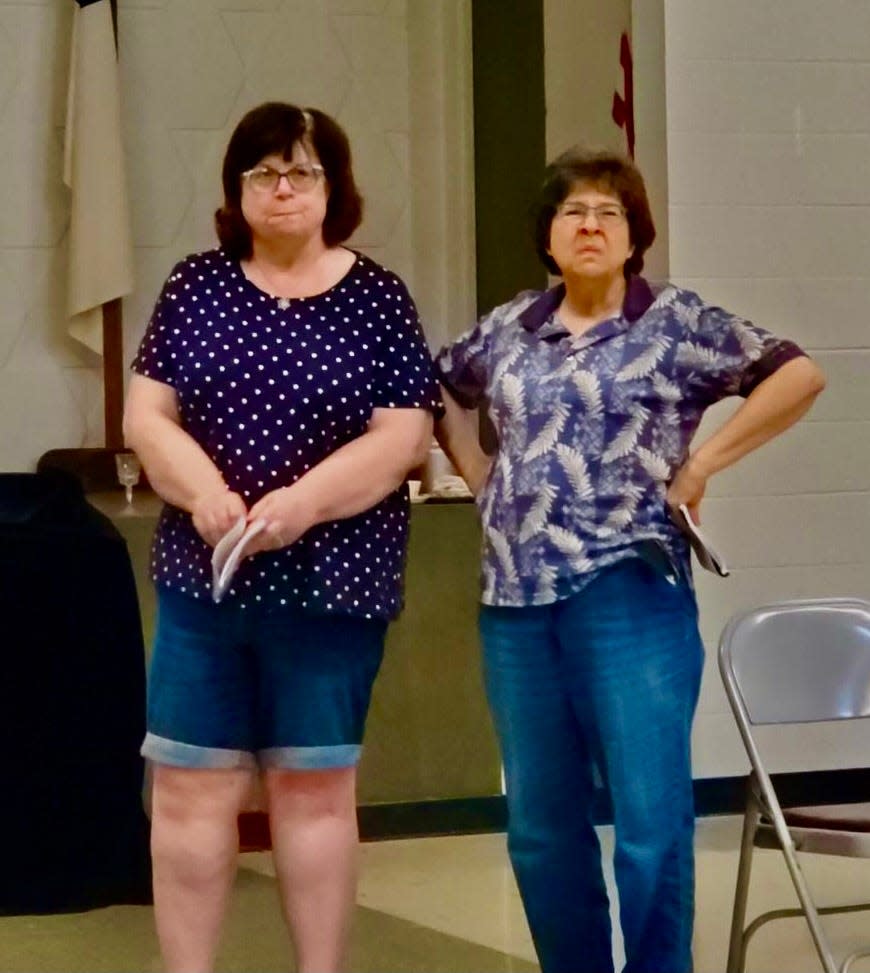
x=637, y=301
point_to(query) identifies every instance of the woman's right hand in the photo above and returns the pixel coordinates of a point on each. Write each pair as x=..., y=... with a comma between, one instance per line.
x=214, y=513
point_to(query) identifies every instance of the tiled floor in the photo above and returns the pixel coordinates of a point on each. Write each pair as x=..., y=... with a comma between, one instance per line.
x=447, y=904
x=464, y=886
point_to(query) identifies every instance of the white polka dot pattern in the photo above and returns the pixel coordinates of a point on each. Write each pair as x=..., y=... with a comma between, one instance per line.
x=269, y=393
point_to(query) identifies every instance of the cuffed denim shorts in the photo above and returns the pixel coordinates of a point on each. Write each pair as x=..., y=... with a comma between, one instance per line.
x=231, y=687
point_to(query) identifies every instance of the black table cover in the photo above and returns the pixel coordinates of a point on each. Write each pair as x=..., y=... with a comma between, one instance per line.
x=72, y=699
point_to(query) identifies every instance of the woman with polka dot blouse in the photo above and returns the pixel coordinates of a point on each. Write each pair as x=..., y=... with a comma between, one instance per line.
x=283, y=378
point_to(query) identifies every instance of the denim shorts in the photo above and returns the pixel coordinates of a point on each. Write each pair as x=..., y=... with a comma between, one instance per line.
x=231, y=687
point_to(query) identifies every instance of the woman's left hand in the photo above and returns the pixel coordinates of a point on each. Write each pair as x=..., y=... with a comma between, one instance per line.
x=771, y=407
x=688, y=487
x=286, y=519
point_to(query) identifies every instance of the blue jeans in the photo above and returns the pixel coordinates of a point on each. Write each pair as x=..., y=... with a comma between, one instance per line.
x=606, y=679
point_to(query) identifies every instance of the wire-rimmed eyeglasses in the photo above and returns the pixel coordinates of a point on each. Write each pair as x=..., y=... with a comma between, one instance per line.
x=606, y=214
x=301, y=177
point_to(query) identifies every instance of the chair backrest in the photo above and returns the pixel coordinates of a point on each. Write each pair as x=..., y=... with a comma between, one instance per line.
x=799, y=661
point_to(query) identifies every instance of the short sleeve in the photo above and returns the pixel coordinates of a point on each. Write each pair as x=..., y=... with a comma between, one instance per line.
x=157, y=356
x=404, y=377
x=724, y=354
x=463, y=365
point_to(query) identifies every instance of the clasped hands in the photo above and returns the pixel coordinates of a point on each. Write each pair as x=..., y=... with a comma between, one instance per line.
x=284, y=515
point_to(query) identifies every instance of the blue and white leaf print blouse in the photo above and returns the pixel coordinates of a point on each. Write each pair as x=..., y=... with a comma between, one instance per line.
x=591, y=428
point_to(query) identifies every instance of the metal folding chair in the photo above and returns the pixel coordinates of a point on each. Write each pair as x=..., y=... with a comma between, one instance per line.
x=796, y=662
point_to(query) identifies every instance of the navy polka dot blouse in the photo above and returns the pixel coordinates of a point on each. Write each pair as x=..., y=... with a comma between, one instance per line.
x=269, y=390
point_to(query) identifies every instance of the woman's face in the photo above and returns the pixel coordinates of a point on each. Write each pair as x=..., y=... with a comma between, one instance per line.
x=589, y=235
x=276, y=210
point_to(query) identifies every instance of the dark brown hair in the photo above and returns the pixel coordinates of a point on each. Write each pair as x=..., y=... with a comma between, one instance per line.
x=274, y=128
x=608, y=171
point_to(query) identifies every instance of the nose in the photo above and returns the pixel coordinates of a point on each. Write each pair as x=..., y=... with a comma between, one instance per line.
x=282, y=178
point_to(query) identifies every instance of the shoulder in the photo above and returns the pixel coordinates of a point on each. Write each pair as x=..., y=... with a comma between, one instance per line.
x=384, y=294
x=668, y=295
x=493, y=333
x=199, y=266
x=499, y=321
x=527, y=311
x=518, y=303
x=504, y=315
x=376, y=274
x=682, y=309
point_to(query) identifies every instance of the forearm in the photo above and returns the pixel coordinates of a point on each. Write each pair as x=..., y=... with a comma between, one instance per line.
x=361, y=473
x=176, y=465
x=777, y=403
x=457, y=434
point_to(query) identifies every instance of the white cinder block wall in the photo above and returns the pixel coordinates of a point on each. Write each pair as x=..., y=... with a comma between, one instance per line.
x=768, y=147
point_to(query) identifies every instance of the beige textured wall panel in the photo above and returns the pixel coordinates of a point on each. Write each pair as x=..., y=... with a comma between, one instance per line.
x=56, y=416
x=27, y=339
x=190, y=69
x=35, y=207
x=180, y=65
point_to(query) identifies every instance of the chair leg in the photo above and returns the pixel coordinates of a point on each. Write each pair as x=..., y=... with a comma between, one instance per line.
x=846, y=965
x=811, y=913
x=737, y=941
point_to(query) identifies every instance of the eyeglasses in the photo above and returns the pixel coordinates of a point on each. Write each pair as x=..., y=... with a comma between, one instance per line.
x=607, y=214
x=301, y=178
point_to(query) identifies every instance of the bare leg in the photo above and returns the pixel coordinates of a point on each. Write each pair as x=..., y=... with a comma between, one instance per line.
x=194, y=847
x=314, y=840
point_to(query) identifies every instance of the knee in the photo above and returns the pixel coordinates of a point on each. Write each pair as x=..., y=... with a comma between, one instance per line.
x=312, y=793
x=655, y=811
x=182, y=794
x=557, y=835
x=195, y=815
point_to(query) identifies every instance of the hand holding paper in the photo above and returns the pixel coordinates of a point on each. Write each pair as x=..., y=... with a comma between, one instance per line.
x=286, y=515
x=229, y=552
x=708, y=557
x=215, y=512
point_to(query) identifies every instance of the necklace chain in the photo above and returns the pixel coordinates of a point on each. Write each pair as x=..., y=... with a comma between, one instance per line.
x=283, y=302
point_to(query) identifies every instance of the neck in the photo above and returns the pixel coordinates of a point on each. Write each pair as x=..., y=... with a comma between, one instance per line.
x=591, y=300
x=286, y=271
x=284, y=255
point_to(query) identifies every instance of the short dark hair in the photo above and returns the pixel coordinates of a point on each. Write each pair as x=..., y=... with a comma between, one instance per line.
x=275, y=127
x=606, y=170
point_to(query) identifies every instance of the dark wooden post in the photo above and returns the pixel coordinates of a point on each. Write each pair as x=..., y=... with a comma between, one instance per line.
x=113, y=346
x=113, y=373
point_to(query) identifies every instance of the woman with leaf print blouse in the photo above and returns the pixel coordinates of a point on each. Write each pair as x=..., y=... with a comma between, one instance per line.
x=283, y=380
x=592, y=657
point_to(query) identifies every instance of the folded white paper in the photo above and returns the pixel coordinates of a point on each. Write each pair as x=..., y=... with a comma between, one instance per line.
x=228, y=553
x=707, y=555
